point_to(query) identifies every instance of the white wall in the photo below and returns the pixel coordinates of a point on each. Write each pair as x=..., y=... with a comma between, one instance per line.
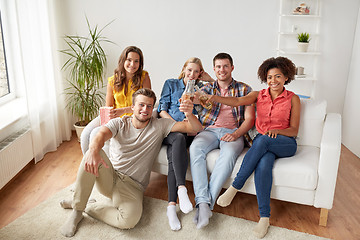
x=170, y=31
x=338, y=28
x=351, y=113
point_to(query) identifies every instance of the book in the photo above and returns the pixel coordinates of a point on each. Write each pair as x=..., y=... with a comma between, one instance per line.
x=104, y=115
x=303, y=96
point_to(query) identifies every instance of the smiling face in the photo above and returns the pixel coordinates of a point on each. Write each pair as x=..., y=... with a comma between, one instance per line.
x=142, y=108
x=192, y=71
x=223, y=69
x=132, y=63
x=276, y=80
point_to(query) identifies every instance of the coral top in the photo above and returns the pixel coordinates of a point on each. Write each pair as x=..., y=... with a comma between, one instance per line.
x=273, y=114
x=122, y=100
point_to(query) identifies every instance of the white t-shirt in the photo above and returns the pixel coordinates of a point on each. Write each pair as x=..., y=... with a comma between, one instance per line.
x=133, y=151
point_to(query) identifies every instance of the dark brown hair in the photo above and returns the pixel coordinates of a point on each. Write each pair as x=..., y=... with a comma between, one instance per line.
x=223, y=56
x=120, y=72
x=285, y=65
x=147, y=92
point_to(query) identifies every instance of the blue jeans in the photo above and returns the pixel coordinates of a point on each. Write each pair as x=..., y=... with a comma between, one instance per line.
x=206, y=141
x=260, y=158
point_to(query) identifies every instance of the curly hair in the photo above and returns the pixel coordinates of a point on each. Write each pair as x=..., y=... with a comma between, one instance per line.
x=285, y=65
x=120, y=72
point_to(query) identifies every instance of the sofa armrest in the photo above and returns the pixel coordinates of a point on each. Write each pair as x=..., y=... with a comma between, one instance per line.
x=330, y=149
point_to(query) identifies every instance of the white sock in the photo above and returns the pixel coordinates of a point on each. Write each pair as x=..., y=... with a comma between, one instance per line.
x=262, y=227
x=184, y=201
x=70, y=226
x=173, y=219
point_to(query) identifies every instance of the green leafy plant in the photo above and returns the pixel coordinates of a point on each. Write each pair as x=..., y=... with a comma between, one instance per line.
x=303, y=37
x=85, y=65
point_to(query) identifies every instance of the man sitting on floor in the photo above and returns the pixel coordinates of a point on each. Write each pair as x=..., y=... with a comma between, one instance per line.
x=123, y=177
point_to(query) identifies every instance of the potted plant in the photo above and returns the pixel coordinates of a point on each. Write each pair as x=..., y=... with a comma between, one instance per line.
x=303, y=41
x=85, y=65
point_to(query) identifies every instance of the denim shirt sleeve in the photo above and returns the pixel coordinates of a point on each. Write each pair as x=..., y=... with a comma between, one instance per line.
x=165, y=98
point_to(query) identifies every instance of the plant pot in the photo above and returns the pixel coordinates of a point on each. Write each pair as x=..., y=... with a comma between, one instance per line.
x=78, y=129
x=303, y=46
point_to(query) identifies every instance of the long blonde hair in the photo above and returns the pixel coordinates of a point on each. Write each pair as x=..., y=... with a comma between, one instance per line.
x=191, y=60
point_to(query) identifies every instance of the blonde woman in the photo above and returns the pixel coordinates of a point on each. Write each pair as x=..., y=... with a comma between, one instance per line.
x=177, y=142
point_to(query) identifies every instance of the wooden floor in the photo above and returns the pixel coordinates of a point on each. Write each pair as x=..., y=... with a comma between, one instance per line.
x=58, y=170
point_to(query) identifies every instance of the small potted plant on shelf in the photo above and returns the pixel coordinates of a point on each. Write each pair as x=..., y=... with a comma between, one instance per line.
x=303, y=41
x=85, y=65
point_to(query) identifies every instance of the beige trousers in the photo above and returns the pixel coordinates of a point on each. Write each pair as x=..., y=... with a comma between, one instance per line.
x=126, y=195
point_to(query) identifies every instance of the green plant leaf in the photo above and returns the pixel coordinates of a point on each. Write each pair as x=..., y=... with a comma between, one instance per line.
x=303, y=37
x=85, y=67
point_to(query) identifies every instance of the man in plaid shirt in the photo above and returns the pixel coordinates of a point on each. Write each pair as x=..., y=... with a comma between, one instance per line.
x=224, y=129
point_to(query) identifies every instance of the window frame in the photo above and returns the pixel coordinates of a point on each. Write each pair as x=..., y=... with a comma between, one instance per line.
x=11, y=84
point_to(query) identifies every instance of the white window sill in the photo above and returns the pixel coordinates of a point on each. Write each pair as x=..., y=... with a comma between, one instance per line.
x=11, y=113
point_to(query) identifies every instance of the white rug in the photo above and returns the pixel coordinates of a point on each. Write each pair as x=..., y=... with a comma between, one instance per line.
x=44, y=221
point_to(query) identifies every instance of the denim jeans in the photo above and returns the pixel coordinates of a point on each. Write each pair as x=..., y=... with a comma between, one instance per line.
x=206, y=141
x=260, y=158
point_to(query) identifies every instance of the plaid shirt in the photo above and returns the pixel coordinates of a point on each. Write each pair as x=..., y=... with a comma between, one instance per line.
x=235, y=89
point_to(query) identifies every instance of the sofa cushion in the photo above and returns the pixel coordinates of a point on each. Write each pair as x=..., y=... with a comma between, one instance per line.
x=312, y=118
x=299, y=171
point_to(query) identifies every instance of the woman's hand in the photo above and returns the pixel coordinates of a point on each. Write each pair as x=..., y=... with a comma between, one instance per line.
x=211, y=98
x=186, y=106
x=205, y=77
x=116, y=112
x=272, y=133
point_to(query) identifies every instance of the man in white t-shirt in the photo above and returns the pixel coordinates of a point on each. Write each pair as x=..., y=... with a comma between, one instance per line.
x=123, y=177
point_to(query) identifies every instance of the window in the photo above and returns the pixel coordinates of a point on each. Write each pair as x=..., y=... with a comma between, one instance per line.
x=4, y=82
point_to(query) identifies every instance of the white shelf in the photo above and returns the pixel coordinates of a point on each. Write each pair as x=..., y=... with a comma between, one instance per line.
x=306, y=78
x=300, y=16
x=297, y=52
x=290, y=25
x=312, y=34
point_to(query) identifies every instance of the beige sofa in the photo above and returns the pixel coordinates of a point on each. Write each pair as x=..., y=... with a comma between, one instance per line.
x=307, y=178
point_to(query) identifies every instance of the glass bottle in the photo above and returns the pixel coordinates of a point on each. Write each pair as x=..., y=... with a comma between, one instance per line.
x=189, y=91
x=203, y=98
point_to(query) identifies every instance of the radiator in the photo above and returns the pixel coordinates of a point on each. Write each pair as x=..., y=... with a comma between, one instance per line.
x=15, y=153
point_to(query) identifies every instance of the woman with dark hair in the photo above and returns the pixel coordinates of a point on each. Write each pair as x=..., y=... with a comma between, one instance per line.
x=128, y=77
x=277, y=121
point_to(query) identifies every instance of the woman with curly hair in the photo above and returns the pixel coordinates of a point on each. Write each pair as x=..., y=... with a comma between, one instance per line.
x=277, y=121
x=128, y=77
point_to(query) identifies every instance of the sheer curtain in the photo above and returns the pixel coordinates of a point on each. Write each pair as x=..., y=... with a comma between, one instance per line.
x=48, y=118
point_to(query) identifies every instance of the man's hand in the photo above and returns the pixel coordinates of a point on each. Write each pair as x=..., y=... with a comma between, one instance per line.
x=229, y=137
x=93, y=161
